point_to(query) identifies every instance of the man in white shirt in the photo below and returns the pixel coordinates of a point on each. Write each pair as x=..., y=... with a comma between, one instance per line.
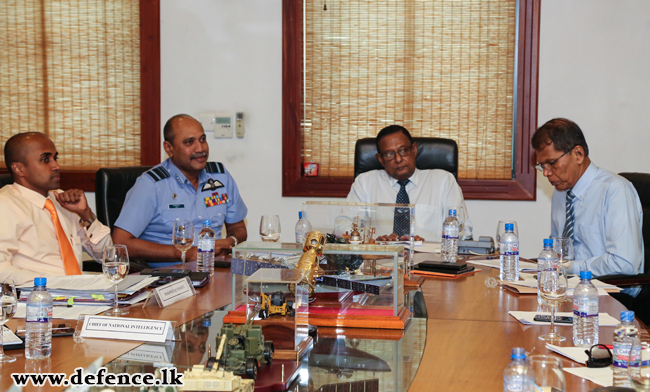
x=43, y=230
x=432, y=191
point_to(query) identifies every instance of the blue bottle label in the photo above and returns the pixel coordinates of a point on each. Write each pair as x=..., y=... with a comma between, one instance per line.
x=38, y=313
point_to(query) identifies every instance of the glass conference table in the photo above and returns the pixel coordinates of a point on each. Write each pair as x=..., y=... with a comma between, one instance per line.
x=458, y=340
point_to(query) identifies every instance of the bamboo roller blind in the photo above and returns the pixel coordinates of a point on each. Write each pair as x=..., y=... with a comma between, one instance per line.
x=71, y=69
x=441, y=68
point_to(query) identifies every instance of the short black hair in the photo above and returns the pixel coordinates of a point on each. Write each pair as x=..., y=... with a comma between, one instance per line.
x=168, y=129
x=15, y=148
x=562, y=133
x=389, y=130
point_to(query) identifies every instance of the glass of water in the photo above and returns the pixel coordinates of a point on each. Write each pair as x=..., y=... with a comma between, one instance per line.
x=270, y=228
x=501, y=228
x=115, y=266
x=563, y=246
x=183, y=237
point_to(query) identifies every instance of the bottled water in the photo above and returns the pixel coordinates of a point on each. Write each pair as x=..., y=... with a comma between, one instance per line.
x=450, y=231
x=626, y=343
x=518, y=376
x=585, y=312
x=205, y=251
x=303, y=227
x=38, y=331
x=547, y=259
x=509, y=250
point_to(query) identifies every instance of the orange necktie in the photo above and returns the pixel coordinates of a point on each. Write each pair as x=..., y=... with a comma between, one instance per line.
x=67, y=254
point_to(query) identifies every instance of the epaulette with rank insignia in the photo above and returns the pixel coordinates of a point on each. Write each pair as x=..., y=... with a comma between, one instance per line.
x=214, y=167
x=158, y=173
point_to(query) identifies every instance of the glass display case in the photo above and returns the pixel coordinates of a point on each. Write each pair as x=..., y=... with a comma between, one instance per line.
x=357, y=285
x=278, y=300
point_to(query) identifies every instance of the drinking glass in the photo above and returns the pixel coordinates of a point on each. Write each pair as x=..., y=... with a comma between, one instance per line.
x=548, y=373
x=8, y=306
x=563, y=246
x=639, y=369
x=270, y=228
x=78, y=328
x=116, y=266
x=183, y=236
x=501, y=228
x=552, y=284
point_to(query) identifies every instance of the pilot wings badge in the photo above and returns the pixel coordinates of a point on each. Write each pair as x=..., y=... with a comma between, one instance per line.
x=212, y=185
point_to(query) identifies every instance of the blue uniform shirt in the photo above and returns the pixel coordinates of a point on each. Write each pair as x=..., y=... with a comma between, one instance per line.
x=163, y=194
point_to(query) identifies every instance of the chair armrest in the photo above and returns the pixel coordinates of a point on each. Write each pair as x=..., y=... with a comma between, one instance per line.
x=625, y=280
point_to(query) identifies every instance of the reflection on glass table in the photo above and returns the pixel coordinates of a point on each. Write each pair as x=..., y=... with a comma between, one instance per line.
x=380, y=360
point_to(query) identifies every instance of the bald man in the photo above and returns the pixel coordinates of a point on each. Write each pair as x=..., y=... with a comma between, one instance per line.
x=43, y=229
x=185, y=186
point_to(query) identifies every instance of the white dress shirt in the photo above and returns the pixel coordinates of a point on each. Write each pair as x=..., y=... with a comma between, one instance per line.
x=432, y=191
x=607, y=223
x=29, y=247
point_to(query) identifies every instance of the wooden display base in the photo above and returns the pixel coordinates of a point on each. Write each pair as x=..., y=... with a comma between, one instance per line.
x=361, y=320
x=414, y=283
x=296, y=354
x=342, y=320
x=270, y=377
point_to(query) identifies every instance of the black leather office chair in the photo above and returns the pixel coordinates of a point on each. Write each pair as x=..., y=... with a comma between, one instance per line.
x=641, y=304
x=111, y=187
x=433, y=153
x=5, y=179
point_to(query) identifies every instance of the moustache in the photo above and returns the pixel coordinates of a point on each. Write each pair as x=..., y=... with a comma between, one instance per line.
x=199, y=155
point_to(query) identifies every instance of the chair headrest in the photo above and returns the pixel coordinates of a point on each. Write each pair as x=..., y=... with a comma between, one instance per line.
x=433, y=153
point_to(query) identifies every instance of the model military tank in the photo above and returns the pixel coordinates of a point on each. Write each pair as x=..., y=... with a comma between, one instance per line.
x=245, y=347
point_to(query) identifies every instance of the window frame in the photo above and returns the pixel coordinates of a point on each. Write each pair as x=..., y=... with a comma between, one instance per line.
x=149, y=99
x=520, y=187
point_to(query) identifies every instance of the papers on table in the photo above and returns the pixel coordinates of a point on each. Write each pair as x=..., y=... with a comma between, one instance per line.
x=496, y=263
x=9, y=338
x=577, y=354
x=92, y=289
x=601, y=376
x=423, y=247
x=65, y=312
x=604, y=319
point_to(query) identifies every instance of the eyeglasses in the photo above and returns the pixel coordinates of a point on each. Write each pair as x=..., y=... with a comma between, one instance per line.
x=599, y=356
x=390, y=155
x=550, y=165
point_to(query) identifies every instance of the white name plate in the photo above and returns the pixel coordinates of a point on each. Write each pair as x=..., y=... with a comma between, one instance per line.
x=103, y=327
x=172, y=292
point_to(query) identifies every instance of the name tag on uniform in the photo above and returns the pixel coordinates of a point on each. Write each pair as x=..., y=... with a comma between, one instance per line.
x=175, y=206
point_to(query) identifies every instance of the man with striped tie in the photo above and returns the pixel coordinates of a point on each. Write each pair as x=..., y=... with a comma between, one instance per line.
x=43, y=229
x=600, y=210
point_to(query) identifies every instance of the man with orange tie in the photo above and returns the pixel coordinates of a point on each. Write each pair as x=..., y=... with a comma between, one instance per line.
x=43, y=229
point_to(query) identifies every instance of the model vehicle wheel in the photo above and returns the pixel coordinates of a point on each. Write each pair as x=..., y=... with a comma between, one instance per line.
x=268, y=352
x=252, y=368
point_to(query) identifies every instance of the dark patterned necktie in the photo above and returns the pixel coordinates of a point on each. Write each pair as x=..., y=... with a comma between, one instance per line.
x=402, y=222
x=568, y=225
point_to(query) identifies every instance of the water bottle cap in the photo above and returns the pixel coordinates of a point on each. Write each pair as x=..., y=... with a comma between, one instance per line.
x=548, y=242
x=207, y=222
x=627, y=316
x=299, y=214
x=40, y=282
x=518, y=353
x=510, y=227
x=585, y=275
x=452, y=212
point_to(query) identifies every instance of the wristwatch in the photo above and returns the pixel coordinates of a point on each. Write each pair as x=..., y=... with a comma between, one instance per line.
x=86, y=223
x=234, y=238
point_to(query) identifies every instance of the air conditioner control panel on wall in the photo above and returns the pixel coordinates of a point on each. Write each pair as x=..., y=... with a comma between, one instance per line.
x=223, y=124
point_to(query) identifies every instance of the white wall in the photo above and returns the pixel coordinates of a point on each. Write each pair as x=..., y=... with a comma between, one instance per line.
x=227, y=56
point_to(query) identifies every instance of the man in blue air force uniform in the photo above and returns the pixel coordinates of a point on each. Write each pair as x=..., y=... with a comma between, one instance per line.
x=184, y=186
